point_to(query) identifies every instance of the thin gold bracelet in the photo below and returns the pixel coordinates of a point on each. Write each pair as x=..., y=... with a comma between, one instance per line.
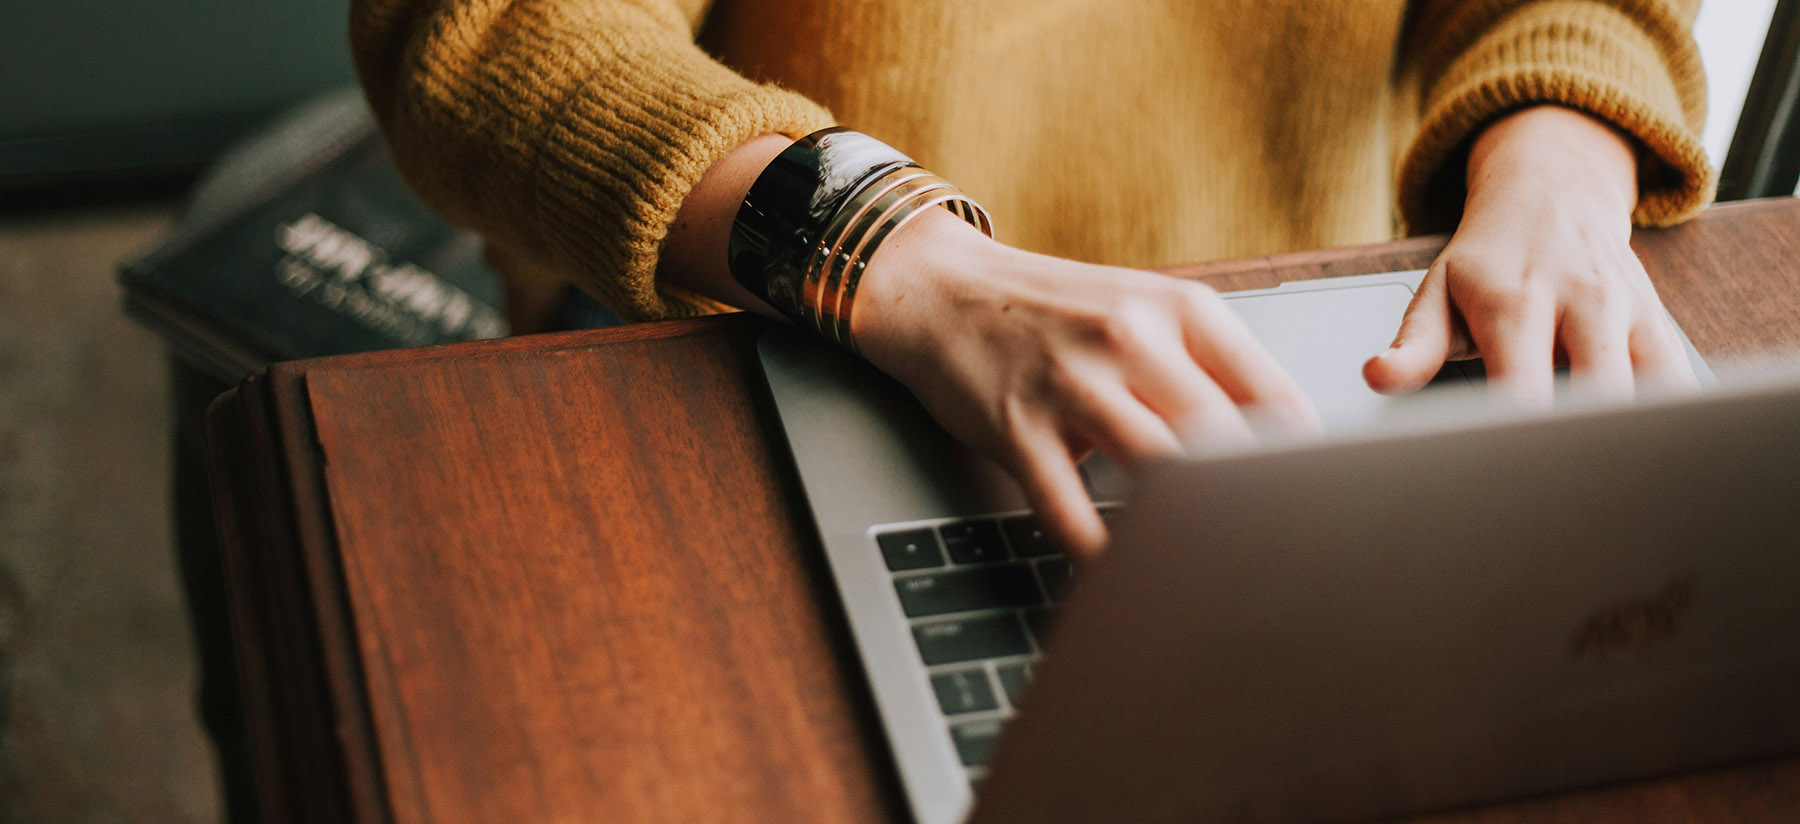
x=839, y=258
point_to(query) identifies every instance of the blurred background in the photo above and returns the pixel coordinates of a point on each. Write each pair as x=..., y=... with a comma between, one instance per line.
x=109, y=110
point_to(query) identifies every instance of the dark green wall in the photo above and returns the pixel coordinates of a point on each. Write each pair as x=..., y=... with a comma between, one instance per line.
x=76, y=74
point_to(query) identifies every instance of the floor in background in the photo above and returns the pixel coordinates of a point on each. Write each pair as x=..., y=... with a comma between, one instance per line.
x=97, y=696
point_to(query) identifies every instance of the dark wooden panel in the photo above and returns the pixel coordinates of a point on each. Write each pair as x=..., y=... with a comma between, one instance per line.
x=307, y=721
x=575, y=579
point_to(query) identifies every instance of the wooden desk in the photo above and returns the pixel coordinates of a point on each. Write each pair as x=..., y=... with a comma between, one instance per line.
x=568, y=578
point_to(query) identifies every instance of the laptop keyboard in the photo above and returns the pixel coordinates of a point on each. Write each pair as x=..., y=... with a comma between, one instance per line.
x=980, y=595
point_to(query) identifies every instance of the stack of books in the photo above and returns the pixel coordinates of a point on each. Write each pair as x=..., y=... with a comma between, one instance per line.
x=328, y=253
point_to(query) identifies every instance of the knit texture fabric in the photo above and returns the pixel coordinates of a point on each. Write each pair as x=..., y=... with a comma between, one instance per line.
x=1632, y=63
x=1134, y=134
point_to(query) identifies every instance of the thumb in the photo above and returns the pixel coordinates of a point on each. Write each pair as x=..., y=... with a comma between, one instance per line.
x=1422, y=345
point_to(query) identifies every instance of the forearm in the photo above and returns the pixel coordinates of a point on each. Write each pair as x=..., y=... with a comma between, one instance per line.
x=694, y=253
x=571, y=133
x=1633, y=65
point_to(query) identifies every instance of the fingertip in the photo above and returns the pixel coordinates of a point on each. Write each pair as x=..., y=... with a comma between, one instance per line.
x=1088, y=540
x=1374, y=370
x=1305, y=417
x=1222, y=429
x=1060, y=499
x=1291, y=419
x=1396, y=371
x=1427, y=334
x=1661, y=361
x=1074, y=525
x=1293, y=410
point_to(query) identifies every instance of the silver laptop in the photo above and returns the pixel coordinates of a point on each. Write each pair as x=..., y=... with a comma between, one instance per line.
x=1362, y=627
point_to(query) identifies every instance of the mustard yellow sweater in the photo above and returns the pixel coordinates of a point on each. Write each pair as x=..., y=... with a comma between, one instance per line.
x=1129, y=132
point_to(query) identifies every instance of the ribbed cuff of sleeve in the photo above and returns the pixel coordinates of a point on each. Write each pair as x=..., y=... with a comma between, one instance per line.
x=622, y=157
x=1583, y=55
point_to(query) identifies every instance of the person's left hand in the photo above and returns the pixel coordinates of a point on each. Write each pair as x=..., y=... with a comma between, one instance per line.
x=1541, y=271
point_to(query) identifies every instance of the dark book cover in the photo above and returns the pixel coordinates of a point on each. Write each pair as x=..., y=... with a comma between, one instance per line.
x=337, y=256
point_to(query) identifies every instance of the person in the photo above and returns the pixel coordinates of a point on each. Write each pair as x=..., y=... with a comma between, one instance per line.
x=614, y=142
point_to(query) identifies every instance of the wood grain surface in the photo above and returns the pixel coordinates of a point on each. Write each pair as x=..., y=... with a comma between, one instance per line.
x=1731, y=277
x=599, y=587
x=569, y=577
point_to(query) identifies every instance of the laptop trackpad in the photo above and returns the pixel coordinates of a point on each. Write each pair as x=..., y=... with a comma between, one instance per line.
x=1321, y=332
x=1322, y=336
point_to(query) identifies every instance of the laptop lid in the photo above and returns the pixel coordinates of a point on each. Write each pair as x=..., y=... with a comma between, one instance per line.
x=1399, y=623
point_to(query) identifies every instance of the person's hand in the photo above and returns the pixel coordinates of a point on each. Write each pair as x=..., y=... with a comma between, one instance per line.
x=1035, y=360
x=1541, y=272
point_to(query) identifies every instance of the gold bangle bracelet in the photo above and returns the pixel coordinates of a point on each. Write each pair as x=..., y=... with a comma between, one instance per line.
x=955, y=201
x=840, y=256
x=844, y=260
x=826, y=267
x=818, y=212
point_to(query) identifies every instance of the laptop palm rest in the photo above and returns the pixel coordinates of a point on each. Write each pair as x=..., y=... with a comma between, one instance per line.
x=867, y=451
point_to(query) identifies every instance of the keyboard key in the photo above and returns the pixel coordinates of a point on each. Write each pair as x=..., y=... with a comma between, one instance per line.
x=1058, y=575
x=911, y=549
x=964, y=691
x=968, y=589
x=1014, y=678
x=1027, y=537
x=1041, y=621
x=950, y=642
x=975, y=741
x=973, y=542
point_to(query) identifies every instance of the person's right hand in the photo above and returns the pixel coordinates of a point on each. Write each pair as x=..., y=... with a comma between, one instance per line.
x=1036, y=360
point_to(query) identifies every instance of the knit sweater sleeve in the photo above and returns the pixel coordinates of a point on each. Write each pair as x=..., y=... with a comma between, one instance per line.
x=568, y=132
x=1632, y=63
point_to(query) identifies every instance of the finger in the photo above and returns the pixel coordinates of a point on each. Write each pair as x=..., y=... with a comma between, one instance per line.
x=1223, y=428
x=1239, y=365
x=1517, y=344
x=1658, y=352
x=1053, y=487
x=1661, y=359
x=1185, y=397
x=1597, y=345
x=1422, y=344
x=1119, y=424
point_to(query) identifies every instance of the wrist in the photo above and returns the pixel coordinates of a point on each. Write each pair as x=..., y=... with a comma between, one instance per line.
x=1554, y=148
x=694, y=253
x=811, y=223
x=933, y=255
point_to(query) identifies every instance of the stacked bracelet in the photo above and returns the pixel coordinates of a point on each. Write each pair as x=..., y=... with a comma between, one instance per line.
x=816, y=215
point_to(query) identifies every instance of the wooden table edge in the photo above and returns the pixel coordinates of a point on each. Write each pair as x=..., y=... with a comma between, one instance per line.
x=311, y=735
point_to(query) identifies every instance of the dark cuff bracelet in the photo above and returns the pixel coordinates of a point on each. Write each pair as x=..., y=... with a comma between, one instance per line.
x=816, y=215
